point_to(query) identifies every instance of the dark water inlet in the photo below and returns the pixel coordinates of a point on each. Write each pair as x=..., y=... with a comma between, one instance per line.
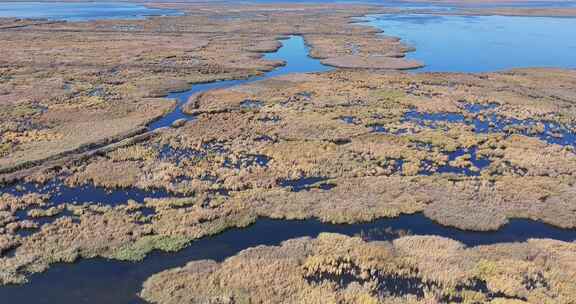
x=546, y=131
x=60, y=194
x=104, y=281
x=305, y=183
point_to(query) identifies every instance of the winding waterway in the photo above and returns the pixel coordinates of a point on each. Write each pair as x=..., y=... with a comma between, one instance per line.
x=294, y=53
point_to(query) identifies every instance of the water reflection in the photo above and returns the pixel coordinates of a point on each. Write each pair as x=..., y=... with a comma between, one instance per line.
x=483, y=43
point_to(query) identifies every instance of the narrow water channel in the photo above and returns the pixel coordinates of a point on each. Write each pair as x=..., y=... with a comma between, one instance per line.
x=104, y=281
x=294, y=52
x=452, y=43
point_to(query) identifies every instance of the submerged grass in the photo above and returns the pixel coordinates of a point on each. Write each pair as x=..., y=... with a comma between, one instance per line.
x=138, y=250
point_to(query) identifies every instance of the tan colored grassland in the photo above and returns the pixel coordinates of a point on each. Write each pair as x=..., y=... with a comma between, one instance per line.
x=339, y=269
x=12, y=23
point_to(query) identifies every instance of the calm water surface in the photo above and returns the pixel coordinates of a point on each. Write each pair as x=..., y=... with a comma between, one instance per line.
x=483, y=43
x=407, y=4
x=102, y=281
x=84, y=11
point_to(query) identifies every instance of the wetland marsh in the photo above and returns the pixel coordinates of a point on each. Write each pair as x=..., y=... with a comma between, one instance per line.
x=263, y=141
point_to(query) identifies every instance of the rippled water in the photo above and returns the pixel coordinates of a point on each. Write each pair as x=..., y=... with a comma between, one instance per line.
x=81, y=11
x=483, y=43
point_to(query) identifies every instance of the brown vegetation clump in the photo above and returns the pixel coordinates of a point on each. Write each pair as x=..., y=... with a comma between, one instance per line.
x=339, y=269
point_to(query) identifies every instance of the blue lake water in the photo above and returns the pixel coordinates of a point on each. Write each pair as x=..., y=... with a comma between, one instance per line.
x=83, y=11
x=483, y=43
